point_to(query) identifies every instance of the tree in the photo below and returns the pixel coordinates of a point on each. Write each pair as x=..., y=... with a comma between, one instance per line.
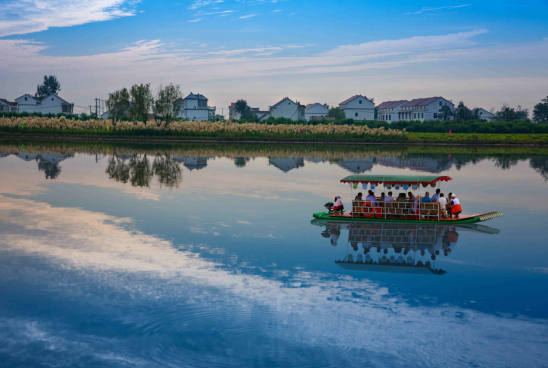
x=118, y=104
x=244, y=110
x=507, y=113
x=52, y=170
x=337, y=113
x=168, y=104
x=241, y=161
x=445, y=113
x=50, y=87
x=140, y=171
x=463, y=113
x=141, y=102
x=540, y=112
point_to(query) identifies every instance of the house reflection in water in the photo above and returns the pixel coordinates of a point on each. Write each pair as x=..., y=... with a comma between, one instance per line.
x=358, y=165
x=398, y=248
x=425, y=164
x=47, y=162
x=286, y=163
x=193, y=163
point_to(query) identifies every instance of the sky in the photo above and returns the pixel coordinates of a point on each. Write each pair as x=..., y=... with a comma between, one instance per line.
x=484, y=53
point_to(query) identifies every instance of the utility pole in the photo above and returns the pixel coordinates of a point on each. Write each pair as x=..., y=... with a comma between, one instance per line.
x=90, y=110
x=96, y=108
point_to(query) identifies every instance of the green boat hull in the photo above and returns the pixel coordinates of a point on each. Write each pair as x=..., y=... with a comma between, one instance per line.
x=464, y=220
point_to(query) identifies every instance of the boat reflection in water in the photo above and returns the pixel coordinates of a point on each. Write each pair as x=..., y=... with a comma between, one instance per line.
x=398, y=248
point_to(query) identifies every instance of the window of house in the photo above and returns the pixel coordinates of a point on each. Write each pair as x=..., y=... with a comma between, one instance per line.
x=356, y=114
x=52, y=98
x=440, y=103
x=25, y=98
x=422, y=115
x=389, y=117
x=435, y=116
x=360, y=102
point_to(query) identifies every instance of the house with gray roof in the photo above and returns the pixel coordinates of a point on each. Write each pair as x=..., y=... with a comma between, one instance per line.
x=358, y=107
x=388, y=111
x=194, y=107
x=423, y=109
x=315, y=111
x=52, y=104
x=288, y=109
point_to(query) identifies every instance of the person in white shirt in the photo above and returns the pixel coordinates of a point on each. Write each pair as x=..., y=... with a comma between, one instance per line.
x=443, y=203
x=338, y=205
x=389, y=197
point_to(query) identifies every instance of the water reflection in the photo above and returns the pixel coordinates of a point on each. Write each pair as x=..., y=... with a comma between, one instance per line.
x=132, y=163
x=399, y=248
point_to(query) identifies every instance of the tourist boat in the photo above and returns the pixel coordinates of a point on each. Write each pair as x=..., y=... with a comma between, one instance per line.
x=396, y=247
x=398, y=211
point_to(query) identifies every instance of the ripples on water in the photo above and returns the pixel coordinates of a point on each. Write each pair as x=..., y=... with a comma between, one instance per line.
x=207, y=256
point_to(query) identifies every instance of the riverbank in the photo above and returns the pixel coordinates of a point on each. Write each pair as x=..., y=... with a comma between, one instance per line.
x=434, y=139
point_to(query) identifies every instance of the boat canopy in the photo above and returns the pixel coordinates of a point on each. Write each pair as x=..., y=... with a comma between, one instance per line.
x=395, y=179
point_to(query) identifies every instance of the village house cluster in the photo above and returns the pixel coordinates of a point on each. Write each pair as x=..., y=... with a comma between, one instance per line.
x=195, y=107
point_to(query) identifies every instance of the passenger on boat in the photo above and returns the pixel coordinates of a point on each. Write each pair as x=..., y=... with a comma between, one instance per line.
x=381, y=199
x=338, y=206
x=456, y=207
x=436, y=196
x=442, y=202
x=426, y=198
x=449, y=204
x=401, y=198
x=412, y=198
x=359, y=197
x=371, y=198
x=389, y=197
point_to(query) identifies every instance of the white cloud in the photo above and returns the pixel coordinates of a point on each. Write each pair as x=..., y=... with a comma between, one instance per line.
x=423, y=10
x=195, y=20
x=242, y=51
x=409, y=44
x=276, y=11
x=22, y=17
x=201, y=3
x=248, y=16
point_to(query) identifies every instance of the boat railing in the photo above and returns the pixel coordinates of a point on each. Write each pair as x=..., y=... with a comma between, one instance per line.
x=396, y=210
x=376, y=234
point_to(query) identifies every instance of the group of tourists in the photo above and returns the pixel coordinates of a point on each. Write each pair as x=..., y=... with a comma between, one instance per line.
x=448, y=206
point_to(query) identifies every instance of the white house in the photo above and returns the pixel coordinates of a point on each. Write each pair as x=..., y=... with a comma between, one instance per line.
x=53, y=104
x=286, y=163
x=484, y=114
x=27, y=103
x=358, y=108
x=195, y=108
x=423, y=109
x=6, y=106
x=357, y=165
x=388, y=111
x=315, y=110
x=288, y=109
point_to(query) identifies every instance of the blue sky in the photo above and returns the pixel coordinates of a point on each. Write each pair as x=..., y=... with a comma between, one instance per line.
x=485, y=53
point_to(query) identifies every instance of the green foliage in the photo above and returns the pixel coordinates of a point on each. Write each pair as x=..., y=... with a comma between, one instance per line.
x=118, y=104
x=507, y=113
x=463, y=113
x=168, y=104
x=50, y=86
x=141, y=102
x=337, y=113
x=445, y=113
x=246, y=114
x=540, y=112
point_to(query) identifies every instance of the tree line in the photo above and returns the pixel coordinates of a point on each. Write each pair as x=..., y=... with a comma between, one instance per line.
x=138, y=102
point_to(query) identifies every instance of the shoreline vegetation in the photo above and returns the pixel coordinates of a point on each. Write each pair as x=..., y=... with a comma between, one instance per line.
x=61, y=128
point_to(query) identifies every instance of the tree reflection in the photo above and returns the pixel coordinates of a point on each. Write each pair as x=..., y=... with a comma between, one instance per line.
x=117, y=169
x=52, y=170
x=167, y=170
x=140, y=171
x=540, y=164
x=505, y=162
x=241, y=161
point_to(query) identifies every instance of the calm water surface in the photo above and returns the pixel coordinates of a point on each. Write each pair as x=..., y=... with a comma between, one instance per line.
x=186, y=256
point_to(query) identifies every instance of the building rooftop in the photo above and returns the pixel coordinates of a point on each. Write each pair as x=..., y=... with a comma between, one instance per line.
x=421, y=101
x=390, y=104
